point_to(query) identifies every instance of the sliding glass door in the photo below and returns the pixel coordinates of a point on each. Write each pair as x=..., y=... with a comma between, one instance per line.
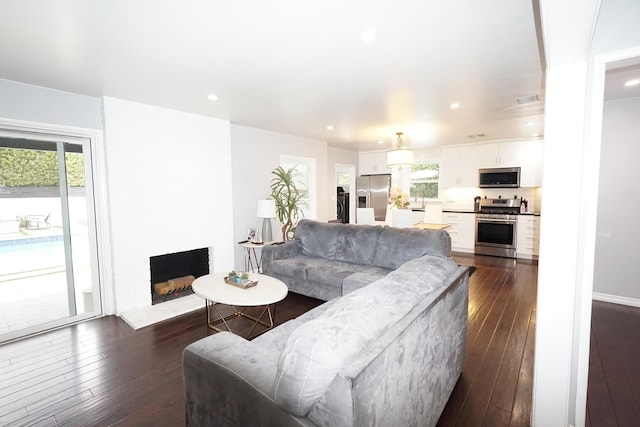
x=48, y=262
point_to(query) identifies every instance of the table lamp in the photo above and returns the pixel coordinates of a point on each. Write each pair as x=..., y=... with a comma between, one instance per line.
x=266, y=210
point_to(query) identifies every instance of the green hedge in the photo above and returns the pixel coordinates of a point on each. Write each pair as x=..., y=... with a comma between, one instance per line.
x=31, y=168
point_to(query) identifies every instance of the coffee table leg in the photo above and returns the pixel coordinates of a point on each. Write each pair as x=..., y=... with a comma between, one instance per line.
x=260, y=321
x=211, y=323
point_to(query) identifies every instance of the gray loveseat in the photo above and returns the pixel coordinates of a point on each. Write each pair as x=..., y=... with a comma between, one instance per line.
x=325, y=261
x=387, y=354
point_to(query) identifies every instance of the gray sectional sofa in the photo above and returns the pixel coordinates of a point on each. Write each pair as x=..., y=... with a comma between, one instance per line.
x=325, y=260
x=387, y=354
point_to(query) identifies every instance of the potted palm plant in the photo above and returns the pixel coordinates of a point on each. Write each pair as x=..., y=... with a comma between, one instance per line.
x=289, y=200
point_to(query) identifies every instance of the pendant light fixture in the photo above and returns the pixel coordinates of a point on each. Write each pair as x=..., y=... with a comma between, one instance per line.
x=400, y=156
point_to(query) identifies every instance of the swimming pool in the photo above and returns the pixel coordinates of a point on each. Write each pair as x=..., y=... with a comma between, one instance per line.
x=33, y=253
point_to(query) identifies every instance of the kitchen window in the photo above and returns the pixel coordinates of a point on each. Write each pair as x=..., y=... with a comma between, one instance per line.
x=425, y=181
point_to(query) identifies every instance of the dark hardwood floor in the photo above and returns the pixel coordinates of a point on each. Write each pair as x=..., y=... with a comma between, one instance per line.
x=102, y=372
x=613, y=395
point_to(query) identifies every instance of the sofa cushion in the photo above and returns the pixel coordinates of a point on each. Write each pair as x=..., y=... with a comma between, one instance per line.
x=363, y=278
x=292, y=267
x=333, y=272
x=316, y=351
x=399, y=245
x=274, y=340
x=357, y=244
x=318, y=239
x=298, y=266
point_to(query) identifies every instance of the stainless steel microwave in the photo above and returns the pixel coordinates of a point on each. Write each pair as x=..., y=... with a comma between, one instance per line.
x=499, y=178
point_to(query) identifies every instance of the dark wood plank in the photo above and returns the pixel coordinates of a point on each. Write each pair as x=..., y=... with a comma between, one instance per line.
x=521, y=410
x=503, y=313
x=598, y=398
x=102, y=372
x=501, y=303
x=613, y=394
x=508, y=375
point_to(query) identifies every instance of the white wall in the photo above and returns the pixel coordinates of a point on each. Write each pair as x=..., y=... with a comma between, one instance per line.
x=169, y=184
x=617, y=236
x=255, y=153
x=21, y=101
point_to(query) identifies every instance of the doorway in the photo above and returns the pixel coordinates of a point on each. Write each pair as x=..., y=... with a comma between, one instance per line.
x=48, y=257
x=345, y=186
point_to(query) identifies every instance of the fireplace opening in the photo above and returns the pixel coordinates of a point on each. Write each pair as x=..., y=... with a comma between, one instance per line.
x=172, y=274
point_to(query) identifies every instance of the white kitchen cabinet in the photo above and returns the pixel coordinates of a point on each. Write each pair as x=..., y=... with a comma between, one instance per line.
x=462, y=230
x=502, y=154
x=531, y=163
x=487, y=155
x=525, y=154
x=528, y=236
x=458, y=167
x=373, y=163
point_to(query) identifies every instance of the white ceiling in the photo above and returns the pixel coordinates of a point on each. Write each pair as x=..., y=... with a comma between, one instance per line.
x=295, y=66
x=618, y=73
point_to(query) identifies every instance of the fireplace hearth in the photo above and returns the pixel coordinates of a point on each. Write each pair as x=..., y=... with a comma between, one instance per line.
x=172, y=274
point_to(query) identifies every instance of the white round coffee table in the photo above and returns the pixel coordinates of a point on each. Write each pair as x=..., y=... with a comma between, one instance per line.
x=214, y=290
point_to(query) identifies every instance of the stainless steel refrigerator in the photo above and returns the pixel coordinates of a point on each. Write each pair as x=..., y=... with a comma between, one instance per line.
x=373, y=192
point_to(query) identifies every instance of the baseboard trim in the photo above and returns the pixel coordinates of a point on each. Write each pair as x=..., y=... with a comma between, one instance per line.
x=615, y=299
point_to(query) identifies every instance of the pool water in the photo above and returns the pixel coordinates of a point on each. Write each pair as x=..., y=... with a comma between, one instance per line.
x=31, y=254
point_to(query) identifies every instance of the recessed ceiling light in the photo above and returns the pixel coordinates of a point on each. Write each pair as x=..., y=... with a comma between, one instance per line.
x=455, y=105
x=329, y=127
x=380, y=142
x=634, y=82
x=212, y=97
x=368, y=36
x=531, y=124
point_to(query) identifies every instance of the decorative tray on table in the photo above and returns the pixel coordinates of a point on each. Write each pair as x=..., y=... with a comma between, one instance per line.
x=240, y=283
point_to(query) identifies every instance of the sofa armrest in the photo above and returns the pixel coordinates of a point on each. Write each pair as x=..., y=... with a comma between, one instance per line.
x=270, y=253
x=228, y=381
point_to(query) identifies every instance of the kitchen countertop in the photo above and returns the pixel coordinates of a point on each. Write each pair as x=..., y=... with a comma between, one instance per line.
x=458, y=211
x=473, y=212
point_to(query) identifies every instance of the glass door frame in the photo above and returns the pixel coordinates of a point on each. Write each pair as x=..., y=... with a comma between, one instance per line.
x=90, y=140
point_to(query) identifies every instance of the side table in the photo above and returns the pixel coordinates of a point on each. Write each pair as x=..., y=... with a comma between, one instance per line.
x=252, y=262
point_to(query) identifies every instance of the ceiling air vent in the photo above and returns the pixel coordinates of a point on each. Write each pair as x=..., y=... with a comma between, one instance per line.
x=477, y=135
x=527, y=99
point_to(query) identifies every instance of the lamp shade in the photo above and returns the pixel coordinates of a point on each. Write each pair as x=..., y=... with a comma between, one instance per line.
x=401, y=157
x=266, y=208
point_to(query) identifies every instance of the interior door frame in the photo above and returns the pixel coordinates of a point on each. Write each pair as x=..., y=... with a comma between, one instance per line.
x=599, y=65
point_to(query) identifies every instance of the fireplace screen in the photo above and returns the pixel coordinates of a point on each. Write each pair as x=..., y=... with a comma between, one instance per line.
x=172, y=274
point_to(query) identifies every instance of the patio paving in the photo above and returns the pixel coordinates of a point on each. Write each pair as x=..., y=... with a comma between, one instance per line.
x=33, y=282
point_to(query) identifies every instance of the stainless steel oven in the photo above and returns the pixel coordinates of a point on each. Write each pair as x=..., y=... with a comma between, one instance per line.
x=496, y=227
